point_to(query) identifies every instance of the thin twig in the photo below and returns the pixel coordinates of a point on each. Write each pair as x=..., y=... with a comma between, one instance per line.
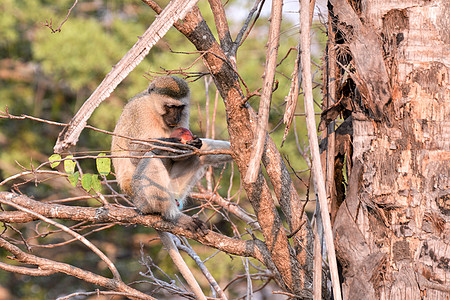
x=240, y=36
x=188, y=249
x=49, y=25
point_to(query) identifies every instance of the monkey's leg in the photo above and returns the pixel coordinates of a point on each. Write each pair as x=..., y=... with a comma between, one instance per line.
x=184, y=175
x=152, y=191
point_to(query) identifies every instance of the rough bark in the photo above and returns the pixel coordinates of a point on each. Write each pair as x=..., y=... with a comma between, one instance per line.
x=289, y=265
x=392, y=231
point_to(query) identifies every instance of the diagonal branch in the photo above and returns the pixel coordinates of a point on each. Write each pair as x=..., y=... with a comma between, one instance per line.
x=240, y=36
x=50, y=266
x=223, y=30
x=79, y=237
x=174, y=11
x=266, y=95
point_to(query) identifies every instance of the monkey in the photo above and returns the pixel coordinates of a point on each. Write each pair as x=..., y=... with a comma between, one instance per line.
x=160, y=185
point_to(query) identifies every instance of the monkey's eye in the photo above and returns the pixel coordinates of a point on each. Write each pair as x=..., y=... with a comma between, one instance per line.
x=171, y=106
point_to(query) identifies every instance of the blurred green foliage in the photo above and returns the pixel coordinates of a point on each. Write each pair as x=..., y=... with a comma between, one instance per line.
x=50, y=75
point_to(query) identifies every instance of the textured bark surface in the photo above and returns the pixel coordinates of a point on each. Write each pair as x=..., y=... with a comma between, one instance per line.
x=289, y=264
x=392, y=232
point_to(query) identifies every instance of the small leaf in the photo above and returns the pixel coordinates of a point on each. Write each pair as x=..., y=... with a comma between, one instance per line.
x=69, y=165
x=103, y=164
x=86, y=181
x=53, y=158
x=73, y=178
x=96, y=185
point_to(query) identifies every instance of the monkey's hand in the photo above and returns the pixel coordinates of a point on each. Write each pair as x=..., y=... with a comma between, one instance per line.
x=192, y=224
x=195, y=142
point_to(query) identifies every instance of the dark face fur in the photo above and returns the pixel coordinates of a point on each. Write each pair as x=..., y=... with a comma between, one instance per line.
x=172, y=117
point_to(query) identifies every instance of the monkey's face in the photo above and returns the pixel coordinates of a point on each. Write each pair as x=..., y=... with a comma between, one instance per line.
x=172, y=117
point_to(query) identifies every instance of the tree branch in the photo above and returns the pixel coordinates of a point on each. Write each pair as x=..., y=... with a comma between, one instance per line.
x=313, y=143
x=223, y=31
x=51, y=266
x=79, y=237
x=266, y=95
x=240, y=130
x=175, y=10
x=249, y=248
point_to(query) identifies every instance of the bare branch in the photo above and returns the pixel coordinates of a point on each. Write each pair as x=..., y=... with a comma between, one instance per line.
x=79, y=237
x=49, y=25
x=53, y=266
x=252, y=248
x=240, y=37
x=223, y=31
x=168, y=242
x=188, y=249
x=313, y=142
x=266, y=96
x=25, y=270
x=229, y=206
x=291, y=98
x=174, y=11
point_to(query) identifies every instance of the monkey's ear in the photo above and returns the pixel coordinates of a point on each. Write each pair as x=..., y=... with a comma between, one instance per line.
x=151, y=88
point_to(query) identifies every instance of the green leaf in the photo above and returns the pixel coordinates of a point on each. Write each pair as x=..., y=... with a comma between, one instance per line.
x=96, y=185
x=103, y=164
x=53, y=158
x=69, y=165
x=86, y=181
x=73, y=178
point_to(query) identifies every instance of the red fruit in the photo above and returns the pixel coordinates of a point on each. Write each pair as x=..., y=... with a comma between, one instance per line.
x=183, y=133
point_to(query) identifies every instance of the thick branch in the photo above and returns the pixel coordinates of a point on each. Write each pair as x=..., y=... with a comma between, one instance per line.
x=223, y=31
x=248, y=248
x=50, y=266
x=79, y=237
x=266, y=95
x=285, y=265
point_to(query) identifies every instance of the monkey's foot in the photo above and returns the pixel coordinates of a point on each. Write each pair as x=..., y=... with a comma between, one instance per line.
x=192, y=224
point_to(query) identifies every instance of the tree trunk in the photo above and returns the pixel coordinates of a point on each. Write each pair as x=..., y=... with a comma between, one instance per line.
x=392, y=232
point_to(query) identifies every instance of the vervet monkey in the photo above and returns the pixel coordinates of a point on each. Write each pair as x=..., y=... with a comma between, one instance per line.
x=160, y=185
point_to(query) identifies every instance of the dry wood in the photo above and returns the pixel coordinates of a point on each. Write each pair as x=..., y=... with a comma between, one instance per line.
x=188, y=249
x=288, y=275
x=266, y=94
x=47, y=265
x=178, y=260
x=314, y=145
x=79, y=237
